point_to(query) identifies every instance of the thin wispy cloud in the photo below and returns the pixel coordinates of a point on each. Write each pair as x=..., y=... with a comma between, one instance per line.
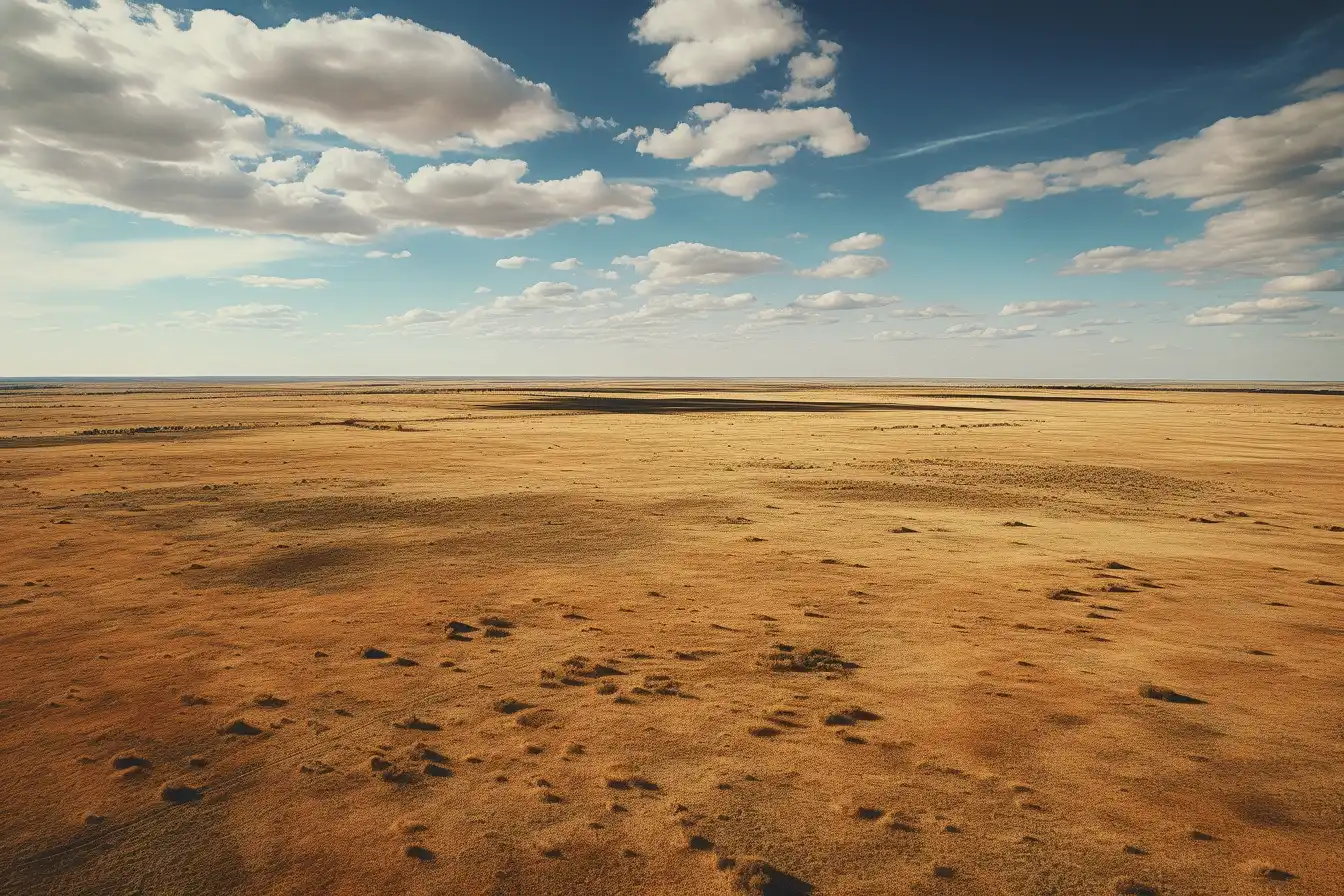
x=1035, y=126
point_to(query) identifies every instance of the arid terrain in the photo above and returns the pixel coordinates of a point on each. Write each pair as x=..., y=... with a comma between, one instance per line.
x=670, y=638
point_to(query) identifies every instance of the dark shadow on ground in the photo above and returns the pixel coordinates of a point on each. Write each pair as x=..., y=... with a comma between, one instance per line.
x=1007, y=397
x=614, y=405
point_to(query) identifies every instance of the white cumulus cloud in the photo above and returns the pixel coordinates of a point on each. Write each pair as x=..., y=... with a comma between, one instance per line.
x=1321, y=281
x=514, y=262
x=1278, y=175
x=985, y=191
x=811, y=76
x=696, y=263
x=745, y=185
x=848, y=267
x=724, y=137
x=280, y=171
x=420, y=318
x=162, y=114
x=860, y=242
x=1275, y=310
x=836, y=300
x=380, y=81
x=717, y=41
x=1056, y=308
x=549, y=295
x=631, y=133
x=683, y=305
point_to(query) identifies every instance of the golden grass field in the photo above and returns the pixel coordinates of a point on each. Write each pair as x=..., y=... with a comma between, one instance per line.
x=670, y=638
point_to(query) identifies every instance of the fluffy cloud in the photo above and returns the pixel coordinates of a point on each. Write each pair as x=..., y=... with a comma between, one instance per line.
x=744, y=185
x=259, y=281
x=980, y=331
x=896, y=336
x=717, y=41
x=379, y=253
x=514, y=262
x=835, y=300
x=1321, y=281
x=1281, y=172
x=1277, y=310
x=860, y=242
x=419, y=318
x=725, y=137
x=1056, y=308
x=280, y=171
x=486, y=197
x=380, y=81
x=548, y=295
x=142, y=110
x=849, y=267
x=811, y=76
x=985, y=191
x=252, y=316
x=568, y=264
x=349, y=196
x=695, y=263
x=683, y=305
x=1075, y=331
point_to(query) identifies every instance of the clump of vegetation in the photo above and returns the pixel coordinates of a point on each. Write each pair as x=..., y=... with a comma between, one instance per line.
x=787, y=658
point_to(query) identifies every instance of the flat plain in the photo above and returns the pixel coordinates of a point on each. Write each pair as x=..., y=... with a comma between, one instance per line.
x=670, y=638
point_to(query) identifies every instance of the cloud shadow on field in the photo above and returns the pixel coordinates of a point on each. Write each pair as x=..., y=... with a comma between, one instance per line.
x=1010, y=397
x=620, y=405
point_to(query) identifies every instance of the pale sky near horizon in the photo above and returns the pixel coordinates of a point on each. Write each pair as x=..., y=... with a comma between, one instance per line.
x=675, y=188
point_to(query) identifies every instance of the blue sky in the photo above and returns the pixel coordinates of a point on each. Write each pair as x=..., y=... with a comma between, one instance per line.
x=680, y=188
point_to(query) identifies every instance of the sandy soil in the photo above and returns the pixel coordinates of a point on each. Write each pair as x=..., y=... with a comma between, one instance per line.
x=708, y=638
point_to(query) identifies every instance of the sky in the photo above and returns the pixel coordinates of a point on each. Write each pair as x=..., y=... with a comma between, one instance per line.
x=766, y=188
